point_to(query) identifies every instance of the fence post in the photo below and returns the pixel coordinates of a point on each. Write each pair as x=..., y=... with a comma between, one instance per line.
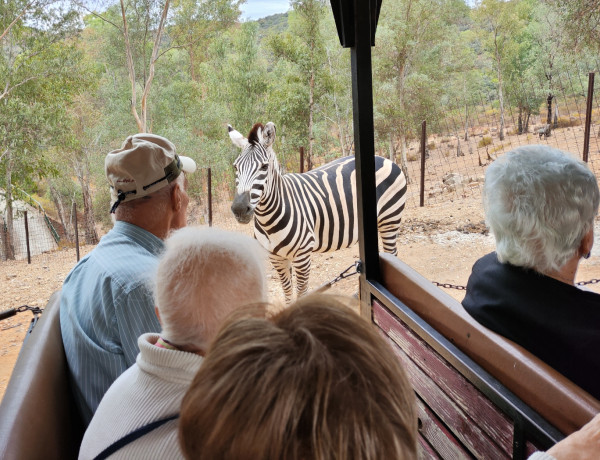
x=588, y=117
x=209, y=180
x=301, y=159
x=4, y=230
x=76, y=229
x=27, y=238
x=423, y=152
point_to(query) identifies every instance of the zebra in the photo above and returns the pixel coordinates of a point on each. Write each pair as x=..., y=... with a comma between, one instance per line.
x=298, y=214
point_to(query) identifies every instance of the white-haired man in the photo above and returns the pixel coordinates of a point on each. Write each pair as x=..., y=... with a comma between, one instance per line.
x=106, y=300
x=540, y=204
x=203, y=275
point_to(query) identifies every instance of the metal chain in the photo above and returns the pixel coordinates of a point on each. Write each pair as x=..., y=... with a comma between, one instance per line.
x=343, y=275
x=450, y=286
x=13, y=311
x=34, y=310
x=592, y=281
x=464, y=288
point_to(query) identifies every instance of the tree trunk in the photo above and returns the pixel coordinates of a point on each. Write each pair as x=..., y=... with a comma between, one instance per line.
x=403, y=160
x=520, y=121
x=391, y=148
x=527, y=121
x=466, y=122
x=337, y=112
x=89, y=224
x=549, y=104
x=556, y=115
x=311, y=107
x=62, y=216
x=500, y=94
x=9, y=245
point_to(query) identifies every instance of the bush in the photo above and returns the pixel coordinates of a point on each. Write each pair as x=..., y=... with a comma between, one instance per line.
x=411, y=157
x=431, y=145
x=486, y=140
x=564, y=122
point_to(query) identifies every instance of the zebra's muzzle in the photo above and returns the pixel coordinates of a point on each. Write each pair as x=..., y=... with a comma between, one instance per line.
x=241, y=208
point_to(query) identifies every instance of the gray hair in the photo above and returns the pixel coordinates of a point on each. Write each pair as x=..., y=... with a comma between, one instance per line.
x=202, y=276
x=161, y=199
x=539, y=203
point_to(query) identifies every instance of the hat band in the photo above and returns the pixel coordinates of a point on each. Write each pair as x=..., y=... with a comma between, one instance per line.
x=172, y=172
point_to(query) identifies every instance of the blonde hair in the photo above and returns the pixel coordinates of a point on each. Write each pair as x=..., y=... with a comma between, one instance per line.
x=315, y=381
x=202, y=276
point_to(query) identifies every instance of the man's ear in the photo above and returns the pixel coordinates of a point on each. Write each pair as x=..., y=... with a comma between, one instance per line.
x=587, y=242
x=176, y=197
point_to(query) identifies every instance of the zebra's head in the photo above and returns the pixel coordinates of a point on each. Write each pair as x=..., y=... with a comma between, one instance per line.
x=252, y=168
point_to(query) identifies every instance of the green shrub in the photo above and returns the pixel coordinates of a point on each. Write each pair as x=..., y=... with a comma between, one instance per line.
x=485, y=140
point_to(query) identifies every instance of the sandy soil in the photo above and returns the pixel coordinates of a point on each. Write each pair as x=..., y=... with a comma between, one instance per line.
x=441, y=242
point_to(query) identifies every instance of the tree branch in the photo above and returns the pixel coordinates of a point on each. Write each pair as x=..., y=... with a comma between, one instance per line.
x=81, y=5
x=17, y=18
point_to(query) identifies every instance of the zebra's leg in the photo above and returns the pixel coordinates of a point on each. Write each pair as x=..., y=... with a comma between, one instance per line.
x=301, y=266
x=389, y=235
x=284, y=270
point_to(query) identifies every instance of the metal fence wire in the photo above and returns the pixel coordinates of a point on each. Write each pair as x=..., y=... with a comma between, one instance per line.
x=461, y=145
x=458, y=149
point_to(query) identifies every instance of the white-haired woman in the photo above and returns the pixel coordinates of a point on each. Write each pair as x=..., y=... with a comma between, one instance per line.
x=540, y=204
x=202, y=276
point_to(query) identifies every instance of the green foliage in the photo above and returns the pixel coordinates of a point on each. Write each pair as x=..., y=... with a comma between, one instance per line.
x=70, y=98
x=485, y=140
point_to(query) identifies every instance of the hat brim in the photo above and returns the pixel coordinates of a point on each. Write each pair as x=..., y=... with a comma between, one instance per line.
x=187, y=164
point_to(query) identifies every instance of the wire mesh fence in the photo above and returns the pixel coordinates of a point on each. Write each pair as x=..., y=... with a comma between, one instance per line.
x=459, y=148
x=471, y=136
x=37, y=238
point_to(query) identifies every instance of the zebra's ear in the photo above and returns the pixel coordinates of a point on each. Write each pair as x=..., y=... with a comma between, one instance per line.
x=269, y=134
x=236, y=137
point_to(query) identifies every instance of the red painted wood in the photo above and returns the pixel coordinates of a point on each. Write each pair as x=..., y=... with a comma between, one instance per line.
x=425, y=451
x=464, y=409
x=438, y=436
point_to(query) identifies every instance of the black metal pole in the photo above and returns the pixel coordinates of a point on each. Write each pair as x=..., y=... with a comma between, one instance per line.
x=76, y=229
x=27, y=238
x=209, y=180
x=364, y=141
x=301, y=159
x=588, y=116
x=423, y=152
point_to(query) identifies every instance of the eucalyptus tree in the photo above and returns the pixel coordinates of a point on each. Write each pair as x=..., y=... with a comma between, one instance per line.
x=412, y=67
x=39, y=73
x=498, y=23
x=581, y=18
x=301, y=62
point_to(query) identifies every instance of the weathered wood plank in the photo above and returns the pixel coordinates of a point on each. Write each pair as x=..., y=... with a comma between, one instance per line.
x=482, y=411
x=425, y=451
x=469, y=432
x=438, y=436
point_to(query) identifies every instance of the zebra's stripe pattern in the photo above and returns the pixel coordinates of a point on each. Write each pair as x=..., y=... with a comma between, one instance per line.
x=298, y=214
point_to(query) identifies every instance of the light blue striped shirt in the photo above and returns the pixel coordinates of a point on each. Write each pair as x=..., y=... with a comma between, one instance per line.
x=106, y=304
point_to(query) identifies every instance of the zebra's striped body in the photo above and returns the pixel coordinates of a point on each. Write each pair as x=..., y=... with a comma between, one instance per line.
x=298, y=214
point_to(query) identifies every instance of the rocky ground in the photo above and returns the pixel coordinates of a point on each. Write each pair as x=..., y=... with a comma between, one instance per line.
x=441, y=242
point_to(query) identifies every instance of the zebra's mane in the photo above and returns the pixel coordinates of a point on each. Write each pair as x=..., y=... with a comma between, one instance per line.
x=253, y=136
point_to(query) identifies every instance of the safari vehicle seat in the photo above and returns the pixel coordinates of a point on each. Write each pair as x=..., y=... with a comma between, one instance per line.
x=38, y=415
x=558, y=401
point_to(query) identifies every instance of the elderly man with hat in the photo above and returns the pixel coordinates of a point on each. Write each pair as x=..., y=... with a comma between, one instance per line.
x=106, y=300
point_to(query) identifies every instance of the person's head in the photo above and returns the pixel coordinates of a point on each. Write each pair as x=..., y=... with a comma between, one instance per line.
x=314, y=381
x=540, y=204
x=147, y=183
x=202, y=276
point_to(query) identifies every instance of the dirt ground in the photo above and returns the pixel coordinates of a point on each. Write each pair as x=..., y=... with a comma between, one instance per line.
x=441, y=242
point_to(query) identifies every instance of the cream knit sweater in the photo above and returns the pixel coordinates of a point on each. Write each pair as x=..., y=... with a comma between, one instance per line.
x=148, y=391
